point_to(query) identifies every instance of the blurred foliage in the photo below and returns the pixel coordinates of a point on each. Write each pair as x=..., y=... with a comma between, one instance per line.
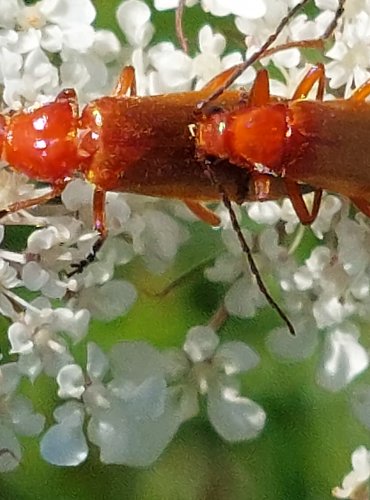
x=305, y=447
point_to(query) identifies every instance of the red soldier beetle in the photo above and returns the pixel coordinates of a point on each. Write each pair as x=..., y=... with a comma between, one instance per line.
x=99, y=146
x=300, y=141
x=53, y=144
x=291, y=140
x=116, y=143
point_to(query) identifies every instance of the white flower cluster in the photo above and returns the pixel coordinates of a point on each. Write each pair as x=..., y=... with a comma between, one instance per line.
x=135, y=398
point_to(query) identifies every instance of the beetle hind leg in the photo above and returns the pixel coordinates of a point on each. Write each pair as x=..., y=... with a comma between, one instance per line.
x=299, y=205
x=203, y=213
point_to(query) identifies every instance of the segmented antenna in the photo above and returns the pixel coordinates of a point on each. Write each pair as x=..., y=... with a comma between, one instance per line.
x=262, y=51
x=179, y=27
x=246, y=249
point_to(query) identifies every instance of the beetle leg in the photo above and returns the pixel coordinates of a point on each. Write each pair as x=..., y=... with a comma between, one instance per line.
x=70, y=96
x=361, y=93
x=219, y=80
x=203, y=213
x=99, y=212
x=99, y=226
x=99, y=222
x=299, y=205
x=39, y=200
x=126, y=84
x=260, y=92
x=315, y=74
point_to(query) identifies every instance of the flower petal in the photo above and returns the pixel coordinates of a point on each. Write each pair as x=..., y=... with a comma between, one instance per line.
x=201, y=343
x=65, y=443
x=235, y=418
x=344, y=358
x=236, y=357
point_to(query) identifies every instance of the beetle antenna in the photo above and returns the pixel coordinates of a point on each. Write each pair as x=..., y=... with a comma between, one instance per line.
x=240, y=68
x=247, y=250
x=180, y=28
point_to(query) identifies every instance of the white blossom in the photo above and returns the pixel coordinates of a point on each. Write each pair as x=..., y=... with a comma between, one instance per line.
x=344, y=358
x=211, y=372
x=131, y=418
x=17, y=417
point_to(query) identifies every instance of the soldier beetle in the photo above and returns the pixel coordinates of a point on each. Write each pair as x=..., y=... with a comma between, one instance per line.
x=143, y=145
x=300, y=137
x=291, y=140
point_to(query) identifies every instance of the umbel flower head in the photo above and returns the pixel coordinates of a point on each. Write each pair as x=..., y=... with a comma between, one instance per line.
x=129, y=398
x=136, y=399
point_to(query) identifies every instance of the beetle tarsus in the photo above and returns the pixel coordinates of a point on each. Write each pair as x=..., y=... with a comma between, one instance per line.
x=78, y=267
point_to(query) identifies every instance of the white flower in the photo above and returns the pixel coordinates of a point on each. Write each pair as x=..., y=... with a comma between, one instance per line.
x=356, y=480
x=297, y=347
x=71, y=382
x=258, y=26
x=350, y=54
x=108, y=301
x=37, y=339
x=157, y=237
x=133, y=16
x=8, y=280
x=131, y=418
x=264, y=213
x=211, y=371
x=65, y=443
x=210, y=62
x=16, y=417
x=141, y=418
x=243, y=298
x=344, y=358
x=171, y=4
x=66, y=20
x=253, y=10
x=174, y=70
x=50, y=26
x=329, y=207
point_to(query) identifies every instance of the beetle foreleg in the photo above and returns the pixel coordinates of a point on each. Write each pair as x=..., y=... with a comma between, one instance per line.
x=126, y=84
x=39, y=200
x=99, y=226
x=315, y=74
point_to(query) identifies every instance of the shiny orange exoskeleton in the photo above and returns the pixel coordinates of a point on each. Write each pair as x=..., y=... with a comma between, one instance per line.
x=130, y=144
x=135, y=144
x=121, y=143
x=323, y=144
x=161, y=145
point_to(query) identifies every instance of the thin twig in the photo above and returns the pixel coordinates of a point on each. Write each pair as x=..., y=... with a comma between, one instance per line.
x=218, y=318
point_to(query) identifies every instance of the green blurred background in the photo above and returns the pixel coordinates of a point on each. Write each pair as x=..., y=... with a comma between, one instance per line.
x=310, y=434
